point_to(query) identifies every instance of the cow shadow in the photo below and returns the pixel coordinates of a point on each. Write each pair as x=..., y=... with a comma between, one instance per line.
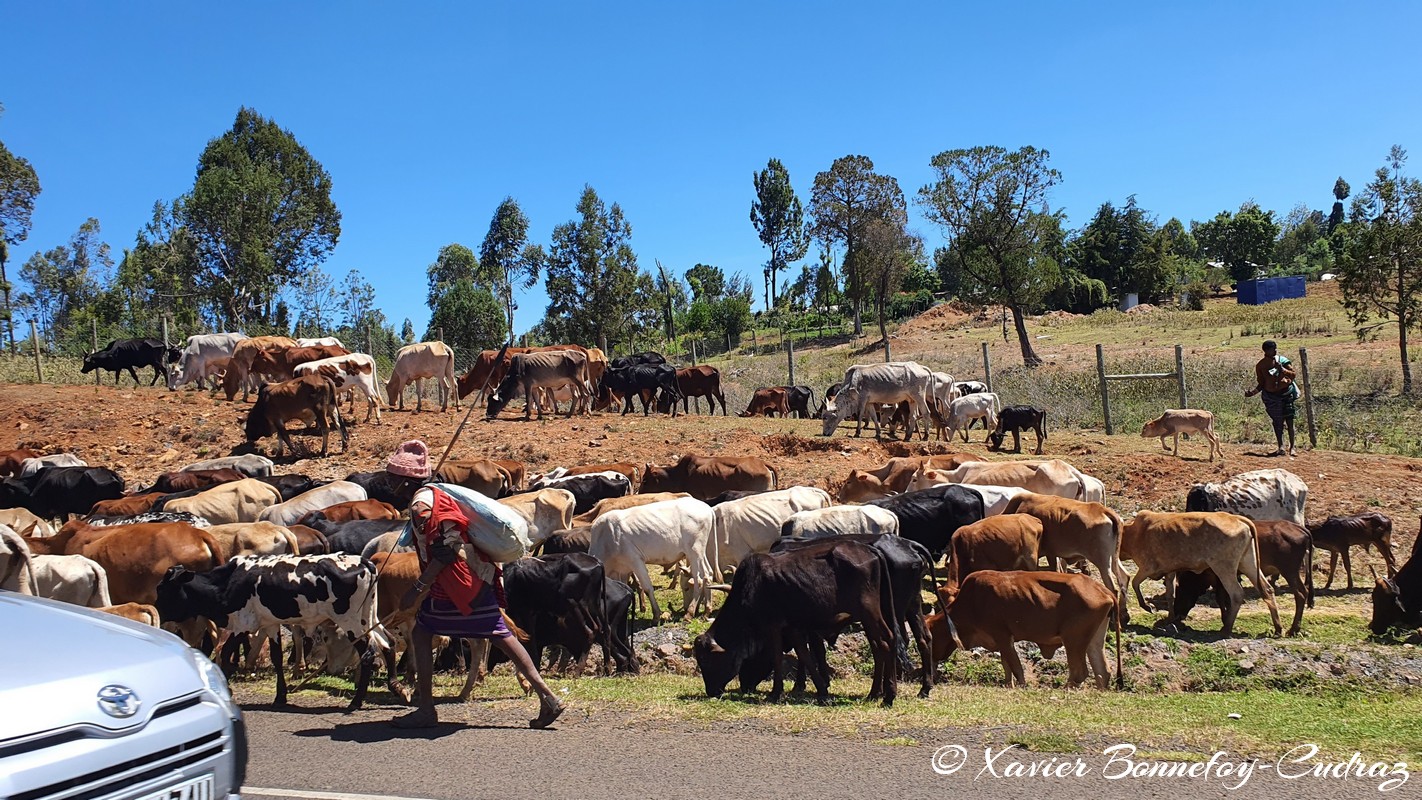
x=381, y=730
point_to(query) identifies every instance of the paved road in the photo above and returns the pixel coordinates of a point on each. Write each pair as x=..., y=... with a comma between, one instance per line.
x=487, y=750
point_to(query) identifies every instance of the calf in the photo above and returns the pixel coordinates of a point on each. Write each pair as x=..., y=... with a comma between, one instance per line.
x=806, y=595
x=1284, y=549
x=961, y=412
x=994, y=610
x=1018, y=419
x=1003, y=542
x=1338, y=535
x=126, y=354
x=768, y=402
x=57, y=492
x=259, y=594
x=1177, y=421
x=296, y=399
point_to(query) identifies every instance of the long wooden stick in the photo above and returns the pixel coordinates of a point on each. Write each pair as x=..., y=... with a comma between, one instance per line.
x=449, y=448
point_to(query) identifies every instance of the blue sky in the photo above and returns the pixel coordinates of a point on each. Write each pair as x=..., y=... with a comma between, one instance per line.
x=428, y=114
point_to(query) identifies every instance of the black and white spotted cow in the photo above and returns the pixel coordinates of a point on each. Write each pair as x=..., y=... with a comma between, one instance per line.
x=259, y=594
x=1263, y=494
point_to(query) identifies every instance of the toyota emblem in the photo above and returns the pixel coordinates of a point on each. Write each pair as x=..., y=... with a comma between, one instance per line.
x=118, y=701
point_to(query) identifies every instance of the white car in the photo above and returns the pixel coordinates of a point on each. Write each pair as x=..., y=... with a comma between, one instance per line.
x=93, y=706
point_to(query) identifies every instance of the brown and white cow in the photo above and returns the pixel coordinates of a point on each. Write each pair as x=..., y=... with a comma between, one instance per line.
x=414, y=363
x=704, y=477
x=239, y=367
x=350, y=373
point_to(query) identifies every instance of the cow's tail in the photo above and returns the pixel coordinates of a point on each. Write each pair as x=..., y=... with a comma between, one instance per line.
x=101, y=595
x=812, y=399
x=774, y=477
x=1120, y=672
x=932, y=569
x=1044, y=425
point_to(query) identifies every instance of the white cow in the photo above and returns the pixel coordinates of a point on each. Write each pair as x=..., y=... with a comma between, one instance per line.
x=351, y=373
x=414, y=363
x=71, y=579
x=16, y=572
x=546, y=511
x=30, y=466
x=324, y=341
x=961, y=412
x=867, y=384
x=25, y=523
x=238, y=501
x=1052, y=476
x=942, y=390
x=995, y=498
x=752, y=524
x=205, y=356
x=841, y=521
x=251, y=465
x=1263, y=494
x=289, y=512
x=664, y=534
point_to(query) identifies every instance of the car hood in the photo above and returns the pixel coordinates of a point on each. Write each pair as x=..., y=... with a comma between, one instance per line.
x=58, y=657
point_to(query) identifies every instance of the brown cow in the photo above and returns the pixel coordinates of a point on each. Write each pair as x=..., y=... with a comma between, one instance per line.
x=170, y=482
x=480, y=474
x=1285, y=549
x=239, y=367
x=701, y=381
x=1003, y=542
x=135, y=557
x=357, y=509
x=518, y=473
x=1073, y=529
x=704, y=477
x=126, y=506
x=141, y=613
x=893, y=477
x=308, y=395
x=607, y=504
x=309, y=541
x=994, y=610
x=768, y=402
x=10, y=460
x=284, y=362
x=1338, y=535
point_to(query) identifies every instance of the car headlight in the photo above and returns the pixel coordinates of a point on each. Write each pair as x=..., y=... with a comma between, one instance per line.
x=212, y=677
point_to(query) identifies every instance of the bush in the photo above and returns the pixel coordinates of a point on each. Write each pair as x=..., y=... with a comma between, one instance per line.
x=1195, y=294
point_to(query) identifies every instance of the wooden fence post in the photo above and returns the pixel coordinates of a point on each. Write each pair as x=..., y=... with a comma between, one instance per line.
x=1180, y=374
x=693, y=352
x=34, y=344
x=790, y=358
x=165, y=335
x=94, y=324
x=987, y=368
x=1308, y=398
x=1105, y=394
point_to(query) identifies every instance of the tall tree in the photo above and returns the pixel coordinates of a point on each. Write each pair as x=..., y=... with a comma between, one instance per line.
x=506, y=259
x=706, y=282
x=1242, y=241
x=993, y=205
x=470, y=317
x=779, y=219
x=65, y=280
x=261, y=215
x=316, y=303
x=19, y=186
x=1341, y=190
x=846, y=198
x=887, y=251
x=407, y=332
x=1381, y=273
x=592, y=274
x=454, y=263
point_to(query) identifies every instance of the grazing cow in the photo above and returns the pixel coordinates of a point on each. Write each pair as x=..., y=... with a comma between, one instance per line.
x=356, y=509
x=1161, y=543
x=291, y=486
x=1003, y=542
x=930, y=516
x=1338, y=535
x=289, y=511
x=481, y=474
x=16, y=563
x=941, y=391
x=142, y=613
x=57, y=492
x=830, y=392
x=664, y=533
x=70, y=579
x=994, y=610
x=205, y=356
x=1054, y=476
x=296, y=399
x=801, y=399
x=1177, y=421
x=187, y=480
x=701, y=381
x=487, y=371
x=560, y=600
x=1018, y=419
x=588, y=489
x=768, y=402
x=605, y=505
x=893, y=477
x=10, y=461
x=1259, y=495
x=251, y=465
x=414, y=363
x=239, y=366
x=840, y=521
x=804, y=595
x=704, y=477
x=126, y=354
x=642, y=380
x=995, y=498
x=531, y=372
x=865, y=385
x=254, y=539
x=126, y=506
x=135, y=557
x=351, y=373
x=24, y=522
x=546, y=511
x=259, y=594
x=964, y=410
x=1074, y=529
x=387, y=487
x=30, y=466
x=1398, y=600
x=239, y=501
x=752, y=524
x=1285, y=549
x=646, y=357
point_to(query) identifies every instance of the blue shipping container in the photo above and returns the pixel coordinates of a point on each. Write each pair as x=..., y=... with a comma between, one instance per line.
x=1267, y=290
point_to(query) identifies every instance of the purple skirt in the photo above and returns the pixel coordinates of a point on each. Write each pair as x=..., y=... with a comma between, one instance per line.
x=484, y=621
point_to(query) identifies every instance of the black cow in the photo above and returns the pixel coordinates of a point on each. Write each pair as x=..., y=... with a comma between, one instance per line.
x=929, y=516
x=126, y=354
x=1398, y=600
x=588, y=489
x=801, y=398
x=558, y=600
x=57, y=492
x=575, y=540
x=803, y=597
x=261, y=593
x=729, y=495
x=1018, y=419
x=617, y=599
x=291, y=485
x=352, y=536
x=397, y=490
x=644, y=357
x=643, y=380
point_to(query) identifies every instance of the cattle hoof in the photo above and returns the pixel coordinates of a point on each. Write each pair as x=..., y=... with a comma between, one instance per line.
x=822, y=700
x=924, y=693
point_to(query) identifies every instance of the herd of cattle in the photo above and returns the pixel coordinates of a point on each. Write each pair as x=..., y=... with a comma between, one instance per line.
x=227, y=547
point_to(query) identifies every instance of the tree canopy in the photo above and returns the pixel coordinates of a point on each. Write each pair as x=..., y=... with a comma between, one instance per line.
x=779, y=219
x=591, y=275
x=19, y=186
x=506, y=259
x=1242, y=241
x=846, y=198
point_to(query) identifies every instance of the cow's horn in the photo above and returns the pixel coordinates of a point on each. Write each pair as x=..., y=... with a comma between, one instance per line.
x=721, y=587
x=716, y=648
